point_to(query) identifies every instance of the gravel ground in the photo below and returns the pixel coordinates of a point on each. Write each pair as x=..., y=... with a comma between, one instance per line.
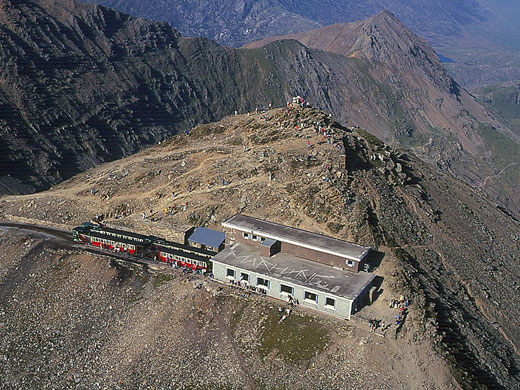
x=71, y=319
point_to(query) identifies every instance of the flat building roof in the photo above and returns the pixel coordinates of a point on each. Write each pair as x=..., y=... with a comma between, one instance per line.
x=296, y=271
x=298, y=237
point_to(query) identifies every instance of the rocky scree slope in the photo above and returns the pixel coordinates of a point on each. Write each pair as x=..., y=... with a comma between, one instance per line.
x=452, y=249
x=71, y=319
x=83, y=84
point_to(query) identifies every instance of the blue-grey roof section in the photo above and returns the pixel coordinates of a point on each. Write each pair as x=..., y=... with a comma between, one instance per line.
x=268, y=242
x=207, y=237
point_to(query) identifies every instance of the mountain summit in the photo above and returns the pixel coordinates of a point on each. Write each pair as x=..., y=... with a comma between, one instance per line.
x=414, y=102
x=445, y=245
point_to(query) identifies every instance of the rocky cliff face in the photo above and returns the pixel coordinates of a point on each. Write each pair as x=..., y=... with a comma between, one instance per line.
x=82, y=84
x=236, y=22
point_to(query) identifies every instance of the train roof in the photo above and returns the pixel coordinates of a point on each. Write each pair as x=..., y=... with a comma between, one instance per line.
x=126, y=233
x=97, y=234
x=173, y=245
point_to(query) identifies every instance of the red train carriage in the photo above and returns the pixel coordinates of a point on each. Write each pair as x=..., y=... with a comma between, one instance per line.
x=183, y=248
x=120, y=244
x=183, y=259
x=150, y=247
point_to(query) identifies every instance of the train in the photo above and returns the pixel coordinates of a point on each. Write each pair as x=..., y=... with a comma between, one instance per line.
x=149, y=247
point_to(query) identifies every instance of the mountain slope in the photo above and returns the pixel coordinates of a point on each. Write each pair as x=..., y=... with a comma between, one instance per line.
x=504, y=99
x=236, y=22
x=481, y=36
x=445, y=244
x=421, y=106
x=82, y=84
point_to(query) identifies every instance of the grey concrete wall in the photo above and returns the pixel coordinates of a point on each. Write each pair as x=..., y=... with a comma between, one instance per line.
x=342, y=309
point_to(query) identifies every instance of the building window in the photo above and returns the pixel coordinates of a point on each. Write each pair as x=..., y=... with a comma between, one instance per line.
x=245, y=235
x=244, y=276
x=262, y=239
x=254, y=238
x=230, y=273
x=350, y=263
x=286, y=289
x=262, y=282
x=330, y=302
x=311, y=297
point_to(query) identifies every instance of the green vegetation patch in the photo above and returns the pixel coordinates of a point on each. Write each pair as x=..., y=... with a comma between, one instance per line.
x=370, y=138
x=297, y=339
x=504, y=150
x=161, y=279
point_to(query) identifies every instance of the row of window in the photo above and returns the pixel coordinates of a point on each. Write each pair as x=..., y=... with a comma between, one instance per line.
x=253, y=237
x=265, y=283
x=198, y=253
x=183, y=259
x=121, y=236
x=113, y=243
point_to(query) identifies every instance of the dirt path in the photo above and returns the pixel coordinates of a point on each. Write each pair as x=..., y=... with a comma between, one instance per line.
x=498, y=174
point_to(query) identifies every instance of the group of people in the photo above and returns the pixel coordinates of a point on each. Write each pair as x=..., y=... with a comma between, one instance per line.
x=249, y=289
x=260, y=108
x=170, y=210
x=102, y=195
x=402, y=305
x=374, y=324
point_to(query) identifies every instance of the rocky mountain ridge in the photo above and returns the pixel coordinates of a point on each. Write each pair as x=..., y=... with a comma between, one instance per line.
x=236, y=22
x=445, y=244
x=480, y=37
x=83, y=84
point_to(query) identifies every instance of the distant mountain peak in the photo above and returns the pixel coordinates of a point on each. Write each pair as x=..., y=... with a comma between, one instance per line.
x=381, y=37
